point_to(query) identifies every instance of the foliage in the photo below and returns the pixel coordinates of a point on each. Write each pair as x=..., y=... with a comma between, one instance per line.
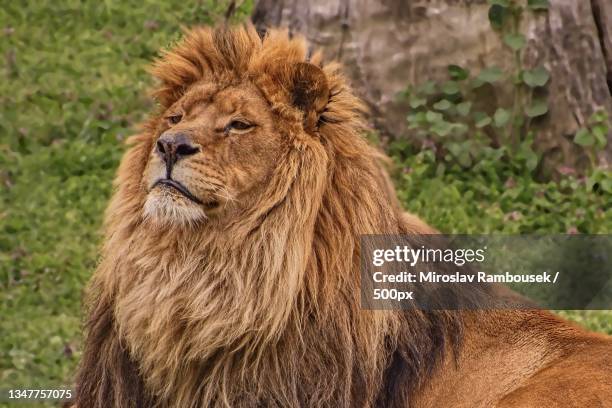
x=74, y=86
x=493, y=197
x=459, y=118
x=594, y=136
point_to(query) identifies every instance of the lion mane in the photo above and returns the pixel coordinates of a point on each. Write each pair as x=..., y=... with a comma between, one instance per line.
x=262, y=310
x=265, y=311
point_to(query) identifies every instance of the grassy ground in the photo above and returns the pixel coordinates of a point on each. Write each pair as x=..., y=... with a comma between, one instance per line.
x=72, y=86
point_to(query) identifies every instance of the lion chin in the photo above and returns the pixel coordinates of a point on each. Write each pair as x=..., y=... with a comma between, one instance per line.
x=169, y=209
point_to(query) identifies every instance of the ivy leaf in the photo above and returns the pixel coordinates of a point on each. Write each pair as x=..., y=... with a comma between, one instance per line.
x=441, y=128
x=536, y=77
x=464, y=159
x=598, y=117
x=464, y=108
x=450, y=88
x=584, y=138
x=606, y=185
x=497, y=15
x=433, y=117
x=531, y=160
x=454, y=148
x=458, y=73
x=525, y=152
x=490, y=75
x=537, y=4
x=459, y=129
x=515, y=41
x=461, y=152
x=600, y=134
x=538, y=107
x=427, y=88
x=476, y=83
x=416, y=101
x=501, y=117
x=442, y=105
x=416, y=119
x=481, y=120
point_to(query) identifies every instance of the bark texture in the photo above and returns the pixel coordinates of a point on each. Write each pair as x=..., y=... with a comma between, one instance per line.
x=388, y=44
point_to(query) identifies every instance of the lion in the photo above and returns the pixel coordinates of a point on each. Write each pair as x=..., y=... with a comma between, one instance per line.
x=229, y=273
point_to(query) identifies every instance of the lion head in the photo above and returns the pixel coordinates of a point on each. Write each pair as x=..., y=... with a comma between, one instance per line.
x=230, y=115
x=231, y=260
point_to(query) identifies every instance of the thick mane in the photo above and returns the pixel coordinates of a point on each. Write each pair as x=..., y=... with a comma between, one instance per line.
x=229, y=56
x=263, y=309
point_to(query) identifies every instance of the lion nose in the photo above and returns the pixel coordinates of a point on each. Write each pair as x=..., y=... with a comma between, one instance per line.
x=174, y=146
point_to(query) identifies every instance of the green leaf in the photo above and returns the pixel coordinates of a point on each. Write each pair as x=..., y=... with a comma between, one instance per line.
x=459, y=129
x=483, y=122
x=497, y=15
x=600, y=134
x=416, y=119
x=515, y=41
x=584, y=138
x=427, y=88
x=441, y=128
x=416, y=101
x=536, y=77
x=531, y=160
x=481, y=119
x=490, y=75
x=442, y=105
x=503, y=3
x=538, y=107
x=464, y=108
x=458, y=73
x=464, y=159
x=454, y=148
x=476, y=83
x=433, y=117
x=606, y=185
x=537, y=4
x=501, y=117
x=526, y=153
x=599, y=117
x=450, y=88
x=461, y=152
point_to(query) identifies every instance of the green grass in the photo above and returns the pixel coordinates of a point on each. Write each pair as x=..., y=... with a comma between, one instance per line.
x=72, y=87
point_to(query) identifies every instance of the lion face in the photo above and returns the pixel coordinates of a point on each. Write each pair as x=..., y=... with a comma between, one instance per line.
x=214, y=147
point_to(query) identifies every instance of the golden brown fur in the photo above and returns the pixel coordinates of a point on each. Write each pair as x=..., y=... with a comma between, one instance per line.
x=252, y=298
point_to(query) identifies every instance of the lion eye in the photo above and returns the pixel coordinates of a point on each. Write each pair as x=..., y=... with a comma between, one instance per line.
x=239, y=125
x=174, y=119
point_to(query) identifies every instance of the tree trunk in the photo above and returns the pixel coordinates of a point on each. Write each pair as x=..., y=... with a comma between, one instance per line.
x=388, y=44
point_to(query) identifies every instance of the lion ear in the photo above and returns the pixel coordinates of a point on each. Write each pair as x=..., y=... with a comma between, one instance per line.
x=310, y=90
